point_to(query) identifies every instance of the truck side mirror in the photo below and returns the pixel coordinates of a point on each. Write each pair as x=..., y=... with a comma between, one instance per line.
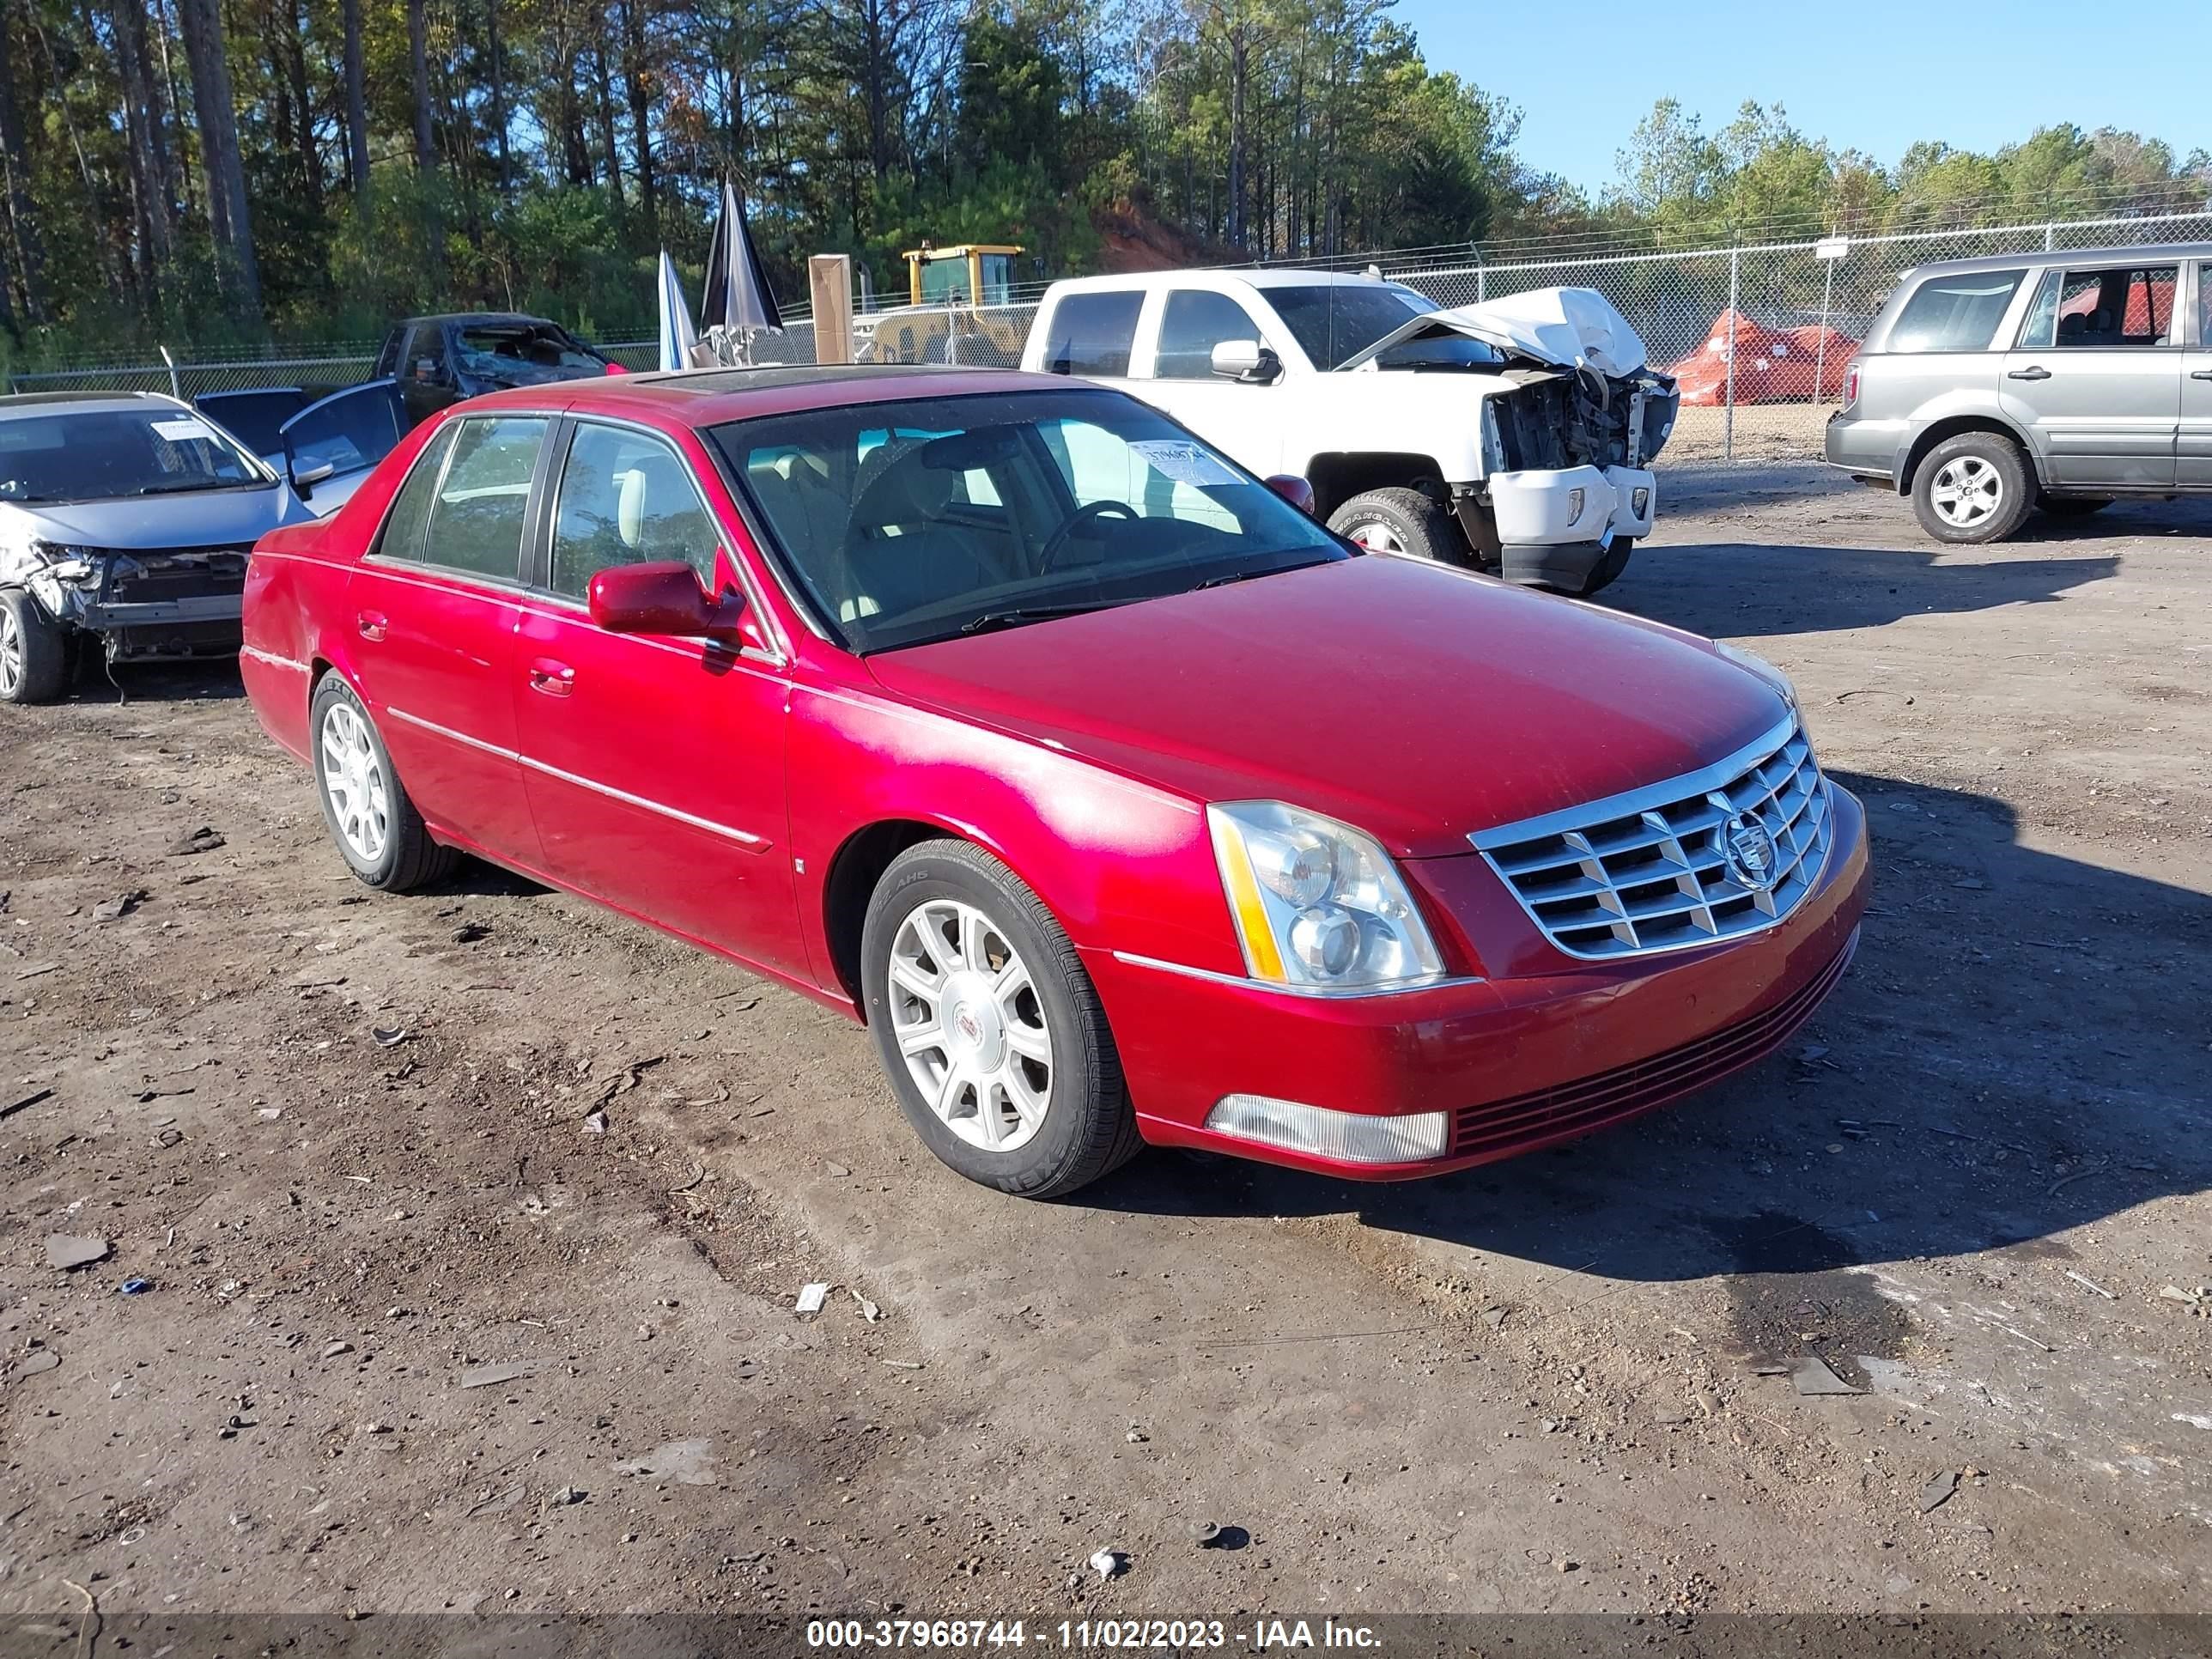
x=1246, y=362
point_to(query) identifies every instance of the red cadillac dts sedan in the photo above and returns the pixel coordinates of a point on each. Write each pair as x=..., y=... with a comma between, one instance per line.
x=1122, y=801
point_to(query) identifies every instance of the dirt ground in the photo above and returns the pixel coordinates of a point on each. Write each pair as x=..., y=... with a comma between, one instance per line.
x=418, y=1337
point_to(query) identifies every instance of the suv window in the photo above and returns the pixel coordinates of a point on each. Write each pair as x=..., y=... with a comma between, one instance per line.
x=475, y=522
x=1954, y=314
x=410, y=507
x=1193, y=322
x=1091, y=333
x=2118, y=307
x=626, y=499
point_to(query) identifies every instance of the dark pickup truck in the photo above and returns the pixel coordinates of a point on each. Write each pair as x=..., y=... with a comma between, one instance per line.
x=438, y=361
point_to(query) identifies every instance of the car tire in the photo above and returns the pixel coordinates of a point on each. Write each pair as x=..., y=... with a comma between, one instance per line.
x=1607, y=570
x=2074, y=507
x=1973, y=488
x=1401, y=521
x=378, y=831
x=1037, y=1116
x=34, y=652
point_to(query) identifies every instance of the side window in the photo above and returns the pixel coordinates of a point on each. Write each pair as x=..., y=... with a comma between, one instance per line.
x=475, y=522
x=388, y=356
x=2204, y=306
x=411, y=508
x=2120, y=306
x=1192, y=323
x=627, y=498
x=1954, y=314
x=1092, y=333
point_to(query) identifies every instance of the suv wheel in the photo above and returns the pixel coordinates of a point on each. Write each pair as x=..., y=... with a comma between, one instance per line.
x=1401, y=521
x=34, y=655
x=992, y=1033
x=1972, y=489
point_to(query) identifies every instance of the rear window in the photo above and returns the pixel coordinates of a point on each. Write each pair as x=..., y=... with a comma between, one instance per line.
x=1092, y=333
x=1954, y=314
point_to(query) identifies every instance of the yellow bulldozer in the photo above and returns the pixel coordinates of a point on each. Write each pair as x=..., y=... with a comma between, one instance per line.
x=959, y=310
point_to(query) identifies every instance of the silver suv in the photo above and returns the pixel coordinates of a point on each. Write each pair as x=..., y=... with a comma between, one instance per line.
x=2061, y=381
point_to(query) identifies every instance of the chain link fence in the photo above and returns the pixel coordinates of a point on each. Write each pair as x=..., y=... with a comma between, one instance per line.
x=1757, y=334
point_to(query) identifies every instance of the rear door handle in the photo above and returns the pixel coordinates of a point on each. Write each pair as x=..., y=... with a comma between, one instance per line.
x=2033, y=371
x=555, y=679
x=372, y=626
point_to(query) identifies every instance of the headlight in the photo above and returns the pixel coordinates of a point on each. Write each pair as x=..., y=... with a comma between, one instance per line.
x=1318, y=905
x=1750, y=662
x=69, y=564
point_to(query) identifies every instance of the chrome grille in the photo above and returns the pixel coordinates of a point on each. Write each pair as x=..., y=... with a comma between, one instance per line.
x=1677, y=864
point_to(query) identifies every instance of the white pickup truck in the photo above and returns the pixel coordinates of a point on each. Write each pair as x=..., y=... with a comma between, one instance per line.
x=1515, y=436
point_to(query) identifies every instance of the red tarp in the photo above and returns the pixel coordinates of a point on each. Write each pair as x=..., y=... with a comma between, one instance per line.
x=1772, y=365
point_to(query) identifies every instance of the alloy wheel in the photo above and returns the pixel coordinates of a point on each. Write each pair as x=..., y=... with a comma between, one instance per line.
x=1966, y=492
x=354, y=781
x=969, y=1024
x=1375, y=537
x=11, y=654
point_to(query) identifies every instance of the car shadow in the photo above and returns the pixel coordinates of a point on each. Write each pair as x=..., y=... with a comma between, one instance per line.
x=211, y=679
x=2008, y=1058
x=1735, y=589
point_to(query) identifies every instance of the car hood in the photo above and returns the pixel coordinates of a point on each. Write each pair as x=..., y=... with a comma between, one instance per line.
x=212, y=518
x=1417, y=702
x=1566, y=327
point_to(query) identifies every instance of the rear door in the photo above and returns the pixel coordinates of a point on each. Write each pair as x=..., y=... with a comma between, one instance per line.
x=2095, y=376
x=2193, y=453
x=434, y=606
x=1244, y=419
x=654, y=766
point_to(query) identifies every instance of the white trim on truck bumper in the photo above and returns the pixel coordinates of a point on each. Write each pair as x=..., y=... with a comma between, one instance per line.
x=1575, y=504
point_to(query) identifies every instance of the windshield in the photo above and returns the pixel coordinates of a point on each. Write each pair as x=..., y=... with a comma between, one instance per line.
x=1333, y=321
x=521, y=354
x=101, y=454
x=917, y=520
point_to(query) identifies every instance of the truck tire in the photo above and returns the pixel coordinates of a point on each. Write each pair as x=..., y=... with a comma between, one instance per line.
x=33, y=655
x=1401, y=521
x=1973, y=488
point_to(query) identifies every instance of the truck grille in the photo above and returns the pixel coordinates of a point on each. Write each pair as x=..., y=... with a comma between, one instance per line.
x=1721, y=852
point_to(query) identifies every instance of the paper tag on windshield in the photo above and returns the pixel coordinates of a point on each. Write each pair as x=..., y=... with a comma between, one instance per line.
x=1185, y=463
x=183, y=429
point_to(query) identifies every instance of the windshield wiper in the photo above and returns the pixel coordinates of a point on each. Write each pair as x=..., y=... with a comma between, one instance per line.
x=1015, y=616
x=183, y=486
x=1228, y=576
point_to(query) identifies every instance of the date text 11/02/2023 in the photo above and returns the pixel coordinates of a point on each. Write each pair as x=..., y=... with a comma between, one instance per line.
x=1084, y=1634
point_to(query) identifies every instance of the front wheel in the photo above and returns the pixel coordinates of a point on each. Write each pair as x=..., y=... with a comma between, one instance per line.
x=1973, y=488
x=33, y=655
x=1401, y=521
x=990, y=1030
x=370, y=816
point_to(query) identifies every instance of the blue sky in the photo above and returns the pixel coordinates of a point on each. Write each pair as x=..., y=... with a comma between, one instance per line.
x=1873, y=74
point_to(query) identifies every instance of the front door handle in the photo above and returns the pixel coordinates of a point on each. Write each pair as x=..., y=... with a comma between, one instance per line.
x=2032, y=372
x=555, y=679
x=373, y=625
x=2200, y=374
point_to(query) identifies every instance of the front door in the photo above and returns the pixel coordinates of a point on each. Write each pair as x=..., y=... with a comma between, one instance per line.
x=2096, y=377
x=2193, y=454
x=1233, y=416
x=654, y=766
x=433, y=609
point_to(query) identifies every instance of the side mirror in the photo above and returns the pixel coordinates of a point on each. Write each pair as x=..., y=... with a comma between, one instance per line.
x=1246, y=362
x=661, y=597
x=305, y=478
x=427, y=370
x=1295, y=489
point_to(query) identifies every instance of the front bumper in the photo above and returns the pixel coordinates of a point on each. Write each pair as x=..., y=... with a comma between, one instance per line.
x=1554, y=527
x=1554, y=1051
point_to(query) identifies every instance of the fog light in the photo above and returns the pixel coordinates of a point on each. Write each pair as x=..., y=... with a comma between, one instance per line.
x=1351, y=1137
x=1639, y=501
x=1574, y=505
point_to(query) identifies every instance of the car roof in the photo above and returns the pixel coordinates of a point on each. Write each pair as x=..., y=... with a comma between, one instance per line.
x=1255, y=277
x=478, y=317
x=23, y=403
x=709, y=397
x=2075, y=257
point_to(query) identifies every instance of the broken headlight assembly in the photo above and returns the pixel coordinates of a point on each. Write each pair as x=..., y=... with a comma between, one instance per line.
x=1318, y=905
x=77, y=565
